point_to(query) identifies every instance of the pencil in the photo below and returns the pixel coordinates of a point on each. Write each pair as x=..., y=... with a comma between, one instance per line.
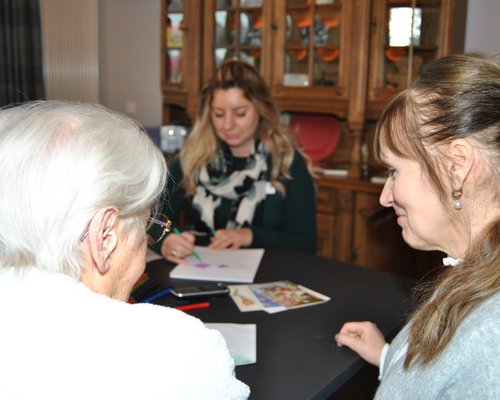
x=161, y=293
x=195, y=253
x=194, y=306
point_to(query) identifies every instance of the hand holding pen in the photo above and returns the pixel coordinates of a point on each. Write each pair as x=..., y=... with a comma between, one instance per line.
x=177, y=246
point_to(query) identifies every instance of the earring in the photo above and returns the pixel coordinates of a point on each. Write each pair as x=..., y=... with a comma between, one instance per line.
x=456, y=195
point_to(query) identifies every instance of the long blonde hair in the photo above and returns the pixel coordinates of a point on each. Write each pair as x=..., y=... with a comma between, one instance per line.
x=202, y=144
x=455, y=97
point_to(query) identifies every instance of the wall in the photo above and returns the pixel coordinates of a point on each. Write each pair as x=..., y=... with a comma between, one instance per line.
x=71, y=49
x=129, y=54
x=483, y=26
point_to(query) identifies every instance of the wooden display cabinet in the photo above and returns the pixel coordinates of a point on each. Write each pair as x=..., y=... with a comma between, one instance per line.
x=344, y=58
x=180, y=38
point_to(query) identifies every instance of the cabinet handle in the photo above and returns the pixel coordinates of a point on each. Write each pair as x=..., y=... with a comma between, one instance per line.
x=274, y=26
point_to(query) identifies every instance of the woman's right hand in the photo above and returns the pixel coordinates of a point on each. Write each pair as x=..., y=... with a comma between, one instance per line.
x=176, y=247
x=364, y=338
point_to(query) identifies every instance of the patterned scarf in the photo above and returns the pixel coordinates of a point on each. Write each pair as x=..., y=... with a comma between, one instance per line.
x=246, y=187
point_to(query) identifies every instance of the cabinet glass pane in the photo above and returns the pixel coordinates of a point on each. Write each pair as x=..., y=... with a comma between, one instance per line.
x=412, y=39
x=312, y=43
x=174, y=58
x=238, y=31
x=175, y=5
x=225, y=28
x=225, y=3
x=174, y=30
x=251, y=3
x=252, y=57
x=174, y=41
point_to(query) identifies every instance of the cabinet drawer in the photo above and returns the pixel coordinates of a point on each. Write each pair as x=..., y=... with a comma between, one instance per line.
x=326, y=201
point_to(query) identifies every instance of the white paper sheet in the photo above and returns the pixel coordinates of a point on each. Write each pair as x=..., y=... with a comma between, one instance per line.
x=241, y=340
x=239, y=265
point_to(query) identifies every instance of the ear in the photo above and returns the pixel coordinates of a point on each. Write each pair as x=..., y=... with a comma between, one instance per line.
x=460, y=159
x=103, y=237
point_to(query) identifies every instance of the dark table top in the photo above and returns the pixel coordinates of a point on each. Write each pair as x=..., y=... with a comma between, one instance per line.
x=297, y=357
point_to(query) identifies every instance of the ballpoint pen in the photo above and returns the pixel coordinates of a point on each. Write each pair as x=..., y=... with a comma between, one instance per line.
x=195, y=253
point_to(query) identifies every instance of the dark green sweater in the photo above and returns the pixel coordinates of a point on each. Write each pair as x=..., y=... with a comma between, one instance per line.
x=287, y=222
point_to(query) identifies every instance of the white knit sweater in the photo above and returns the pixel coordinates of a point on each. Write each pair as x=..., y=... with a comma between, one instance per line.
x=60, y=340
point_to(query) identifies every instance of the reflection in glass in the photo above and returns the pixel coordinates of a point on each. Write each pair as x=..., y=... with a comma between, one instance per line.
x=225, y=3
x=325, y=67
x=251, y=3
x=244, y=28
x=174, y=60
x=220, y=56
x=220, y=28
x=252, y=57
x=223, y=54
x=400, y=26
x=174, y=31
x=175, y=5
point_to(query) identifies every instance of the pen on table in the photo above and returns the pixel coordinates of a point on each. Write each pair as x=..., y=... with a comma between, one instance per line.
x=141, y=281
x=193, y=306
x=195, y=253
x=161, y=293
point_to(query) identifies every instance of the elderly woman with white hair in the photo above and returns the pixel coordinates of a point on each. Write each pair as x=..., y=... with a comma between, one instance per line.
x=78, y=185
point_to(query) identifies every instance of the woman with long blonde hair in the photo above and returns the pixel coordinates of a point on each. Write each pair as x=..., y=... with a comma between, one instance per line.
x=240, y=173
x=440, y=141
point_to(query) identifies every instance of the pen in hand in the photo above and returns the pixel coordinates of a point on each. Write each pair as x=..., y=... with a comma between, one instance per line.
x=195, y=253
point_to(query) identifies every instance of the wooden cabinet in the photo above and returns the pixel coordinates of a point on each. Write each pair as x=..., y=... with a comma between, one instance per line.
x=354, y=227
x=343, y=58
x=180, y=59
x=340, y=57
x=398, y=52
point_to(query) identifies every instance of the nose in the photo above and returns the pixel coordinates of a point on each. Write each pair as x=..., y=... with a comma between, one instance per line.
x=386, y=199
x=228, y=121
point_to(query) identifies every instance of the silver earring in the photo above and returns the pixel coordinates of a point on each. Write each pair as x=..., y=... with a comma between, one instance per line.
x=456, y=195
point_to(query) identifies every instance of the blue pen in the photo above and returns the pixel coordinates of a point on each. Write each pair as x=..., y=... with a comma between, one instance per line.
x=157, y=295
x=195, y=253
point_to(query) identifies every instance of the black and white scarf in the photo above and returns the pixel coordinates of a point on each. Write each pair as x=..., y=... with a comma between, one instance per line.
x=246, y=187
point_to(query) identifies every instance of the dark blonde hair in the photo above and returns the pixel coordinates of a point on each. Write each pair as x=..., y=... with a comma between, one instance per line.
x=455, y=97
x=202, y=144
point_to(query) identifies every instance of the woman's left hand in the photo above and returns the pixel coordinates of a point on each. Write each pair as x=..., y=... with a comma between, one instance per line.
x=231, y=239
x=364, y=338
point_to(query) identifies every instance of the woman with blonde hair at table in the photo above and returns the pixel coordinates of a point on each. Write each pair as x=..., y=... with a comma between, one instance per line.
x=78, y=185
x=440, y=141
x=240, y=175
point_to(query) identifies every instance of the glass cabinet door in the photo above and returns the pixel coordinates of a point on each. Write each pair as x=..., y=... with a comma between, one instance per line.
x=180, y=58
x=312, y=44
x=236, y=31
x=311, y=36
x=174, y=35
x=406, y=35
